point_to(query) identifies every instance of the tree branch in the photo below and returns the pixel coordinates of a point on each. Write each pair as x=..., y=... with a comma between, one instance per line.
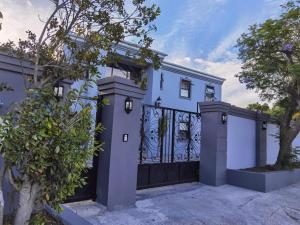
x=2, y=172
x=11, y=179
x=39, y=44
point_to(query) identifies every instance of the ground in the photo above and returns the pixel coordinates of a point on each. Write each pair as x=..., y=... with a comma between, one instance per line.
x=193, y=204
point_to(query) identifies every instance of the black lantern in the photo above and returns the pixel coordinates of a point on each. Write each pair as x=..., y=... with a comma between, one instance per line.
x=224, y=118
x=158, y=102
x=264, y=125
x=58, y=91
x=128, y=105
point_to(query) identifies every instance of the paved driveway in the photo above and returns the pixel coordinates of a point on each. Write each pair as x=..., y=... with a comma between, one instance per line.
x=193, y=204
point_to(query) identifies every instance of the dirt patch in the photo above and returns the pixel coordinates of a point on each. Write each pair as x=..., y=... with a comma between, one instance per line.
x=41, y=218
x=272, y=168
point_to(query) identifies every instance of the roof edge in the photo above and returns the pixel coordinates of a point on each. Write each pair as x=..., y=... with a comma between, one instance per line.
x=193, y=71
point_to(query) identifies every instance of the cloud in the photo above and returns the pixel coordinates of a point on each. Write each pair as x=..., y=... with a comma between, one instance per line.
x=191, y=20
x=233, y=91
x=222, y=60
x=20, y=16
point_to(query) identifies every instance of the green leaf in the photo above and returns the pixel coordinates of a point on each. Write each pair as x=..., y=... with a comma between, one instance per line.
x=57, y=149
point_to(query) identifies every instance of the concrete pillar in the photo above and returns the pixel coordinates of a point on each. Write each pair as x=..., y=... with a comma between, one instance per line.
x=261, y=139
x=118, y=163
x=213, y=156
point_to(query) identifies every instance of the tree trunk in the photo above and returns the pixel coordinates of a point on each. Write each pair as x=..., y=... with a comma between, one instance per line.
x=2, y=171
x=284, y=149
x=1, y=207
x=286, y=138
x=27, y=198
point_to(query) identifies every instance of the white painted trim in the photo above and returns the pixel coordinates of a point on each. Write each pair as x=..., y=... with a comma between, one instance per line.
x=196, y=73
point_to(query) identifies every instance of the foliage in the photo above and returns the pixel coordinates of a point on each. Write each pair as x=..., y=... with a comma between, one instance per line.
x=5, y=87
x=42, y=138
x=162, y=127
x=1, y=17
x=52, y=147
x=270, y=53
x=259, y=107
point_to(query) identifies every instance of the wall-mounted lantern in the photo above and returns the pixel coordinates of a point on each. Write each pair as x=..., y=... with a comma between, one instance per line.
x=128, y=105
x=58, y=91
x=264, y=125
x=158, y=102
x=224, y=118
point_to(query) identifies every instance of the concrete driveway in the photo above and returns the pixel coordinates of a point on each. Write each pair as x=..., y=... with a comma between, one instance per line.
x=193, y=204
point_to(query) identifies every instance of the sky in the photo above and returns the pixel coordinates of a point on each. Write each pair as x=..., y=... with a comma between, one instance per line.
x=200, y=34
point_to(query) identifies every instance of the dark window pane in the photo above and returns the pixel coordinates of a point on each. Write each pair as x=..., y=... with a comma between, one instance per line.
x=210, y=93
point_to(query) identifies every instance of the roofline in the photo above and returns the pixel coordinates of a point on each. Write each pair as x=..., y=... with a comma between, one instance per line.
x=128, y=45
x=136, y=47
x=193, y=71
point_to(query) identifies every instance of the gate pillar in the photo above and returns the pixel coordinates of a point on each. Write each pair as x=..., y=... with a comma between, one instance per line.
x=118, y=162
x=213, y=155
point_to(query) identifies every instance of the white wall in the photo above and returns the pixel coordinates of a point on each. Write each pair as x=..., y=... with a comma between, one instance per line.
x=241, y=143
x=170, y=94
x=296, y=143
x=272, y=143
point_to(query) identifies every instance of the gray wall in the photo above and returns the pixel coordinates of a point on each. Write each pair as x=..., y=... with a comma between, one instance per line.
x=117, y=171
x=238, y=143
x=11, y=73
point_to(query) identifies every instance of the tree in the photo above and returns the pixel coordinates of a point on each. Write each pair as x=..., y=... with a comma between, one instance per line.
x=42, y=138
x=259, y=107
x=1, y=17
x=270, y=53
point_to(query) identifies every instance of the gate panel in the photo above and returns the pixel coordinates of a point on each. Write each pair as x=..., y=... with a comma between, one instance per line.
x=88, y=191
x=170, y=147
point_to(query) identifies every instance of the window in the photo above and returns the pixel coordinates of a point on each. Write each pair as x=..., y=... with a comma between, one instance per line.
x=185, y=89
x=210, y=94
x=161, y=81
x=183, y=130
x=125, y=71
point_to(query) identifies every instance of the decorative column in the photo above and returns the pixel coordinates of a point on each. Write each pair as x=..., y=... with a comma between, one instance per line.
x=213, y=155
x=261, y=139
x=118, y=163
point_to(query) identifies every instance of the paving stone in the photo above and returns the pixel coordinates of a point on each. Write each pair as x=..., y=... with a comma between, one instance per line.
x=197, y=204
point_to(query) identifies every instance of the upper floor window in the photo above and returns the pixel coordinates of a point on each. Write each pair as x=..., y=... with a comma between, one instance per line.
x=210, y=94
x=185, y=88
x=125, y=71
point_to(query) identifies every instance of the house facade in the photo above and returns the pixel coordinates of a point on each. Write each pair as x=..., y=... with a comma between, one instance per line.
x=151, y=146
x=174, y=86
x=170, y=132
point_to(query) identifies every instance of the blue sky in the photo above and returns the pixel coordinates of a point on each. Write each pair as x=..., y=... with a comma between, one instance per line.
x=198, y=27
x=196, y=33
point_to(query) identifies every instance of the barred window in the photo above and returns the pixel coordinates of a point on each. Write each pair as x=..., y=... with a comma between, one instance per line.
x=185, y=89
x=210, y=94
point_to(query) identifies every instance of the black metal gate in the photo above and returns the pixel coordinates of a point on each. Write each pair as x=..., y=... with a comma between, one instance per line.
x=88, y=191
x=170, y=147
